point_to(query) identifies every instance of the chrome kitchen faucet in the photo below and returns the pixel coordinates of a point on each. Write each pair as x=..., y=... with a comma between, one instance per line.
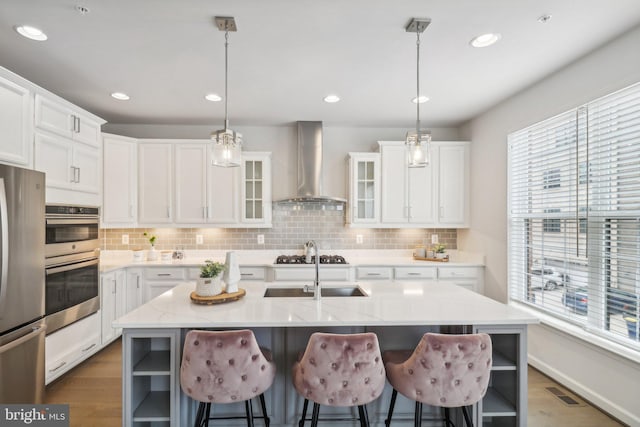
x=316, y=284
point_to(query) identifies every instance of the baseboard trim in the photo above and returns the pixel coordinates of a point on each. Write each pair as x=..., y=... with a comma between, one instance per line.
x=594, y=398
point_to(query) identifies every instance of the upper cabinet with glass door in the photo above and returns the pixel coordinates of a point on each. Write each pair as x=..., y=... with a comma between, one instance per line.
x=364, y=189
x=256, y=189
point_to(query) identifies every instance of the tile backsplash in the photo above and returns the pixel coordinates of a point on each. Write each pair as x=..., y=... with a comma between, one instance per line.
x=292, y=226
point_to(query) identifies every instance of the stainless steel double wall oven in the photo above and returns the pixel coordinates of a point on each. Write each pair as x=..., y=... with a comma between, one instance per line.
x=71, y=264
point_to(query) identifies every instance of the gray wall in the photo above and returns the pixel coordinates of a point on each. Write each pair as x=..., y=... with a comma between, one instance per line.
x=603, y=377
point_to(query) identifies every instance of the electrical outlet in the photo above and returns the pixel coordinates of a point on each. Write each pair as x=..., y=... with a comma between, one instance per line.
x=261, y=239
x=125, y=239
x=199, y=239
x=434, y=239
x=359, y=239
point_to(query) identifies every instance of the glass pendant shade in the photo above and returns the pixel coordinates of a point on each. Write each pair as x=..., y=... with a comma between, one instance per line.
x=417, y=143
x=227, y=148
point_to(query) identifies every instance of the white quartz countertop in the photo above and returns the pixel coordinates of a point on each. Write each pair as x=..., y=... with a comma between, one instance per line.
x=387, y=304
x=113, y=260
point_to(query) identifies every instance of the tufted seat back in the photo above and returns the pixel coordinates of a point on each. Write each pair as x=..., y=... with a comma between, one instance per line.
x=443, y=370
x=340, y=370
x=224, y=366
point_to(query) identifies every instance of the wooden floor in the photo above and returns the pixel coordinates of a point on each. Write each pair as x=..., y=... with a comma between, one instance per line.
x=93, y=391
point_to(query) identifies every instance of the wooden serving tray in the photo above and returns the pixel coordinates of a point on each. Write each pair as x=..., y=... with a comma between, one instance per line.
x=218, y=299
x=431, y=259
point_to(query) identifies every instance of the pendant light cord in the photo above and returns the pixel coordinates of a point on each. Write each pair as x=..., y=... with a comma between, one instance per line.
x=418, y=84
x=226, y=72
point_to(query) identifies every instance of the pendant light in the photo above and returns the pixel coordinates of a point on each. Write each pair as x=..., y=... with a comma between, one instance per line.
x=227, y=143
x=417, y=141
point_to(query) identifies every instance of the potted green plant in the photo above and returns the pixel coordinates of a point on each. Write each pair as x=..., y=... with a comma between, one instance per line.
x=209, y=283
x=152, y=255
x=439, y=250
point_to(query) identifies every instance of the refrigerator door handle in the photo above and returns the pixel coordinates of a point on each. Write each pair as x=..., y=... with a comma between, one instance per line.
x=4, y=244
x=35, y=331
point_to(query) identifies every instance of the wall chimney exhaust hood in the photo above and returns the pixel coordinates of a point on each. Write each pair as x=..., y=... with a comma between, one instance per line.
x=310, y=166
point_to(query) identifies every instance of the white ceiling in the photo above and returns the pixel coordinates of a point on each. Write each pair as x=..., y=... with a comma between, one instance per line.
x=288, y=54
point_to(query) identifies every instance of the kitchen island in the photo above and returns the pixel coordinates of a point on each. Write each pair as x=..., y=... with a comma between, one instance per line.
x=399, y=312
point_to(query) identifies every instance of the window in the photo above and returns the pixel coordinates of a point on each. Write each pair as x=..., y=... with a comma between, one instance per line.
x=574, y=216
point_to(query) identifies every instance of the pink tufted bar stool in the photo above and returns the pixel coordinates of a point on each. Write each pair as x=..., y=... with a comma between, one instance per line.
x=339, y=370
x=225, y=367
x=448, y=371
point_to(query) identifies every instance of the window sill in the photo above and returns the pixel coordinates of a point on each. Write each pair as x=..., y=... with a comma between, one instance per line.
x=577, y=332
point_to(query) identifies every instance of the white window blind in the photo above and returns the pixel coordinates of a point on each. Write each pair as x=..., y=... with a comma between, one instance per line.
x=574, y=215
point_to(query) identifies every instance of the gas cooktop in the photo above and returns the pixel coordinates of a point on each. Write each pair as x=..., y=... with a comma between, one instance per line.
x=301, y=259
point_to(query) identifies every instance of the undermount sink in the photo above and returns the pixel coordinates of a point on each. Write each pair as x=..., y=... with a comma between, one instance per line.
x=347, y=291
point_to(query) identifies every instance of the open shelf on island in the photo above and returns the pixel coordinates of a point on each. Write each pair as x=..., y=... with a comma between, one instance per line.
x=495, y=405
x=154, y=407
x=155, y=362
x=502, y=362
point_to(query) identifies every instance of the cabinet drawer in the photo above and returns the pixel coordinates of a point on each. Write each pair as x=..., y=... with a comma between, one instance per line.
x=164, y=274
x=252, y=273
x=411, y=273
x=309, y=273
x=63, y=350
x=374, y=273
x=458, y=272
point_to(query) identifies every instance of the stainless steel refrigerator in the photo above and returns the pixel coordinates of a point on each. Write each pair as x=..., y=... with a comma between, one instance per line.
x=22, y=326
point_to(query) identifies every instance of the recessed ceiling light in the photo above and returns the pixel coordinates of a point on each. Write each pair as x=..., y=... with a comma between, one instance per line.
x=32, y=33
x=213, y=97
x=421, y=99
x=485, y=40
x=120, y=96
x=331, y=99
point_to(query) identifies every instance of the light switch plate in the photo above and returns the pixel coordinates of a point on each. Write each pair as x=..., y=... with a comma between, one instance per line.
x=261, y=239
x=434, y=239
x=199, y=239
x=125, y=239
x=359, y=239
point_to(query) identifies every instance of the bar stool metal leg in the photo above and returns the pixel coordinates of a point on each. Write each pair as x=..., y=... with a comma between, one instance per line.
x=466, y=417
x=394, y=395
x=304, y=413
x=315, y=413
x=248, y=407
x=263, y=406
x=417, y=420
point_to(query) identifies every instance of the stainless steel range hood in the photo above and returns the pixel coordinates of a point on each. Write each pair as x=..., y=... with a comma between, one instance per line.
x=310, y=172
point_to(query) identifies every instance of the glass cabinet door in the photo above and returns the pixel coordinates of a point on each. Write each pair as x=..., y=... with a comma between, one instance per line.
x=256, y=189
x=253, y=189
x=365, y=188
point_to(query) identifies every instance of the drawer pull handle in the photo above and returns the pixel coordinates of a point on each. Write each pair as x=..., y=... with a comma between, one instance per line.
x=246, y=274
x=84, y=350
x=58, y=367
x=373, y=274
x=414, y=274
x=164, y=274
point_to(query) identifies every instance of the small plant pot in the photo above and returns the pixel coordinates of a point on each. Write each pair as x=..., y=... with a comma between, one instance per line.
x=208, y=286
x=441, y=255
x=152, y=254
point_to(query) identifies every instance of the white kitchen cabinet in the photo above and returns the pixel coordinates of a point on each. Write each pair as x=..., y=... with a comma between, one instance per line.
x=158, y=280
x=112, y=303
x=364, y=189
x=134, y=293
x=308, y=274
x=374, y=273
x=469, y=277
x=191, y=164
x=119, y=206
x=433, y=196
x=407, y=194
x=69, y=346
x=256, y=189
x=415, y=273
x=63, y=120
x=155, y=183
x=16, y=123
x=453, y=184
x=69, y=165
x=204, y=193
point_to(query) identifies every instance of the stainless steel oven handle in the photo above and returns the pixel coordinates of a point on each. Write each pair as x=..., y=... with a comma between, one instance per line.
x=4, y=244
x=68, y=267
x=72, y=221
